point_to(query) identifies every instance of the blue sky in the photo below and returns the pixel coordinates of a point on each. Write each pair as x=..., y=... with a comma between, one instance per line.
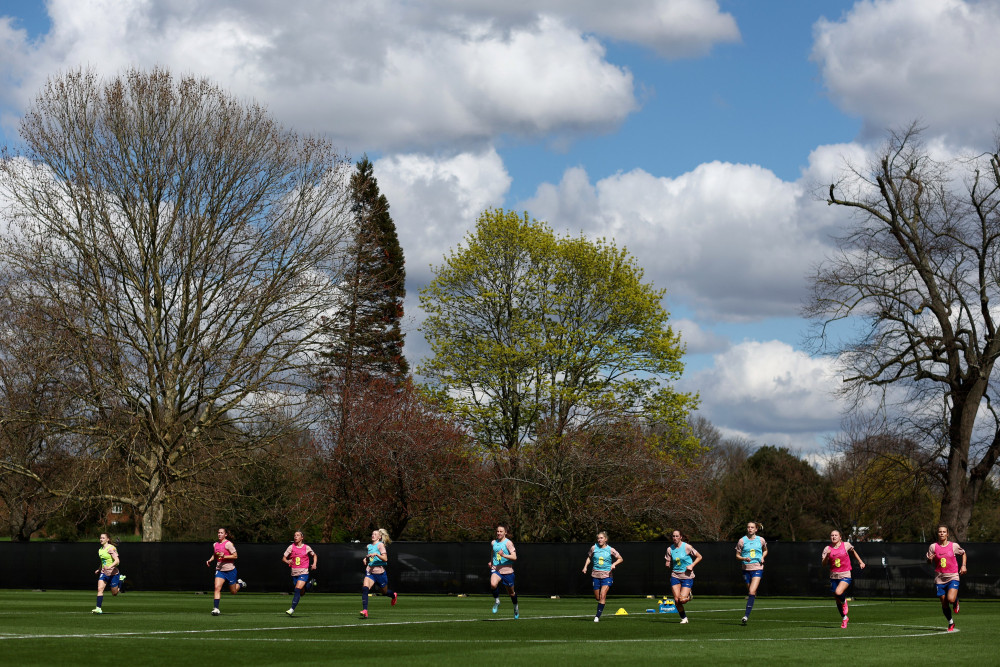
x=693, y=132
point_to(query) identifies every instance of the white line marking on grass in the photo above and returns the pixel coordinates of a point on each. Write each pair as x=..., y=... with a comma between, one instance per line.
x=761, y=608
x=187, y=634
x=566, y=641
x=153, y=633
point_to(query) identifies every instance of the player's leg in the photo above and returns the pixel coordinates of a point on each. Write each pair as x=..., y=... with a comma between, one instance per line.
x=220, y=579
x=513, y=595
x=495, y=590
x=840, y=597
x=366, y=587
x=296, y=594
x=753, y=581
x=678, y=590
x=602, y=596
x=101, y=584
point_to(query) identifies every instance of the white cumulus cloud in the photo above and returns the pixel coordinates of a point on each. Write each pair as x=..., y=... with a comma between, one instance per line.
x=759, y=389
x=434, y=201
x=390, y=75
x=733, y=241
x=895, y=61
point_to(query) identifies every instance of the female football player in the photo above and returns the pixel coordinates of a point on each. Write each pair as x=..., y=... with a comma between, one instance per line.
x=375, y=562
x=751, y=551
x=944, y=556
x=502, y=569
x=837, y=557
x=224, y=555
x=108, y=571
x=681, y=559
x=297, y=556
x=605, y=558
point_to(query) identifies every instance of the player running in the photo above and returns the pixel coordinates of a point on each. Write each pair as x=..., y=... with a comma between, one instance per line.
x=502, y=569
x=297, y=556
x=224, y=553
x=837, y=557
x=944, y=555
x=751, y=550
x=108, y=572
x=605, y=558
x=680, y=560
x=376, y=562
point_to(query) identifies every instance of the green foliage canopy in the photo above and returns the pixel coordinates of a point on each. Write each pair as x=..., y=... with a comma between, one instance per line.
x=529, y=328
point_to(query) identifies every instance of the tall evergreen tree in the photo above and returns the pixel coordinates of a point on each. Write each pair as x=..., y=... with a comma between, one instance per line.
x=371, y=343
x=367, y=341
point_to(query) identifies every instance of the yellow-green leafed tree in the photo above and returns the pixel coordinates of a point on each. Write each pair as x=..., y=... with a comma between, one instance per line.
x=528, y=328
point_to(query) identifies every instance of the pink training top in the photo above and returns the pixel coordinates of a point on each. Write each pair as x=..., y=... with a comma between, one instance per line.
x=221, y=548
x=840, y=560
x=945, y=561
x=299, y=556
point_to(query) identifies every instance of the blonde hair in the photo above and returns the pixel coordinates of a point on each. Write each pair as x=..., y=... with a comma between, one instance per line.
x=386, y=540
x=758, y=525
x=604, y=533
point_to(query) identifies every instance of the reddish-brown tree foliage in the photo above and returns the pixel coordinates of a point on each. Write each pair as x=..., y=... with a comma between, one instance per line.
x=400, y=465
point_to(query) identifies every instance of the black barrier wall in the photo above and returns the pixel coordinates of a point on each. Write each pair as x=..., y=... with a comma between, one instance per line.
x=791, y=569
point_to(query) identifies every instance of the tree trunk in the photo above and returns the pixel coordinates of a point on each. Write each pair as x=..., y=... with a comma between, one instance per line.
x=20, y=527
x=152, y=517
x=959, y=496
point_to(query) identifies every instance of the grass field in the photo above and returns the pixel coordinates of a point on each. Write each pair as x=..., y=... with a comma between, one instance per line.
x=56, y=627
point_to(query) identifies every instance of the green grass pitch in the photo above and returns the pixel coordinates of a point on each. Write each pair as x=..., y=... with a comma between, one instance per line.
x=56, y=627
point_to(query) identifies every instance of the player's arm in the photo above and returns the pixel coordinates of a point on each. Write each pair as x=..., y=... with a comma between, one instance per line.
x=511, y=552
x=586, y=563
x=962, y=569
x=739, y=552
x=666, y=560
x=315, y=559
x=114, y=555
x=618, y=559
x=763, y=553
x=857, y=557
x=382, y=553
x=826, y=557
x=286, y=557
x=697, y=559
x=230, y=555
x=209, y=561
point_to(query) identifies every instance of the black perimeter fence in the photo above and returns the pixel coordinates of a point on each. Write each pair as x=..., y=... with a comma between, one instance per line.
x=792, y=569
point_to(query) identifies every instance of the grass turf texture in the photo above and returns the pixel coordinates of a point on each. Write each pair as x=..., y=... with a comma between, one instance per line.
x=57, y=627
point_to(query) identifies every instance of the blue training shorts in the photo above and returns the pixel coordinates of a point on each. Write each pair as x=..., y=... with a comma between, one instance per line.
x=748, y=575
x=506, y=579
x=601, y=583
x=229, y=575
x=942, y=589
x=836, y=582
x=684, y=583
x=113, y=579
x=381, y=580
x=300, y=577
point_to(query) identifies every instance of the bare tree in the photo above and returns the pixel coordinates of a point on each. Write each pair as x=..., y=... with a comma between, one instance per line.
x=31, y=402
x=882, y=483
x=919, y=267
x=183, y=247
